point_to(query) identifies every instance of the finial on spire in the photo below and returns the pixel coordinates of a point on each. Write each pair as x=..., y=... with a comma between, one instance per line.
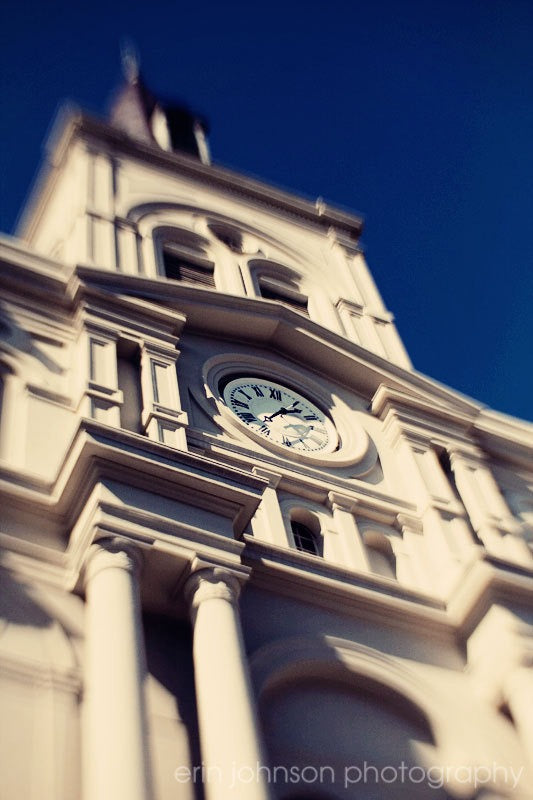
x=130, y=60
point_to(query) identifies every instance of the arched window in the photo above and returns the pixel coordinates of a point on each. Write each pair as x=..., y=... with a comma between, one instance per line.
x=279, y=283
x=283, y=292
x=185, y=268
x=182, y=256
x=304, y=538
x=306, y=533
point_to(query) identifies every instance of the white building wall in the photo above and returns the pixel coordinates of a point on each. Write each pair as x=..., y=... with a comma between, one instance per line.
x=391, y=630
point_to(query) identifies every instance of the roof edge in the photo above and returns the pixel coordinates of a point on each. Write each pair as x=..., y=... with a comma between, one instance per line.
x=71, y=123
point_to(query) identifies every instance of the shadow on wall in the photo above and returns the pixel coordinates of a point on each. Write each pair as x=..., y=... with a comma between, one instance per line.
x=327, y=739
x=17, y=340
x=17, y=607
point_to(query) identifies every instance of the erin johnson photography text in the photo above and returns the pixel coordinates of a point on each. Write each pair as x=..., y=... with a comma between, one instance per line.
x=435, y=777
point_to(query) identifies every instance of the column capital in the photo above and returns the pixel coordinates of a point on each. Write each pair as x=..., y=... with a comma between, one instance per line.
x=113, y=553
x=211, y=583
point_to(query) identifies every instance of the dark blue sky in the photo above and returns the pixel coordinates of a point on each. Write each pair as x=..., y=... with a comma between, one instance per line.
x=417, y=114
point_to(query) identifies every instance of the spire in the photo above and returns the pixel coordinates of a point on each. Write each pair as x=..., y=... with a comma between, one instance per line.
x=138, y=113
x=130, y=61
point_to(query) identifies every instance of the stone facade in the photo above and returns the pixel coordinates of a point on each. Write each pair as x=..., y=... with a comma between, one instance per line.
x=192, y=607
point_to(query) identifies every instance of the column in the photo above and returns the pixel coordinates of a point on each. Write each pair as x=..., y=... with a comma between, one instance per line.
x=115, y=747
x=230, y=740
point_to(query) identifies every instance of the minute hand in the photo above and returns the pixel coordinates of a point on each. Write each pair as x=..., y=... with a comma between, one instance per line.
x=290, y=410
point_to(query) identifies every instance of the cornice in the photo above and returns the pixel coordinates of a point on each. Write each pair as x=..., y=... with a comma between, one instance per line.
x=71, y=126
x=460, y=416
x=389, y=387
x=487, y=581
x=123, y=309
x=318, y=583
x=507, y=438
x=267, y=323
x=312, y=481
x=99, y=452
x=32, y=274
x=308, y=579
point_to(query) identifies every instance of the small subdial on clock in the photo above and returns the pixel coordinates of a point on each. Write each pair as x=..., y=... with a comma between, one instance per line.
x=280, y=415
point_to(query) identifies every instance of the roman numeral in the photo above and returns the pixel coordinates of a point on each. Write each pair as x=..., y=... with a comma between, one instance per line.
x=258, y=392
x=286, y=442
x=246, y=416
x=265, y=430
x=310, y=416
x=239, y=403
x=244, y=393
x=275, y=394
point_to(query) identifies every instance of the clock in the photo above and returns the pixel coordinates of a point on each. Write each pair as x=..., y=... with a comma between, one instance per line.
x=280, y=415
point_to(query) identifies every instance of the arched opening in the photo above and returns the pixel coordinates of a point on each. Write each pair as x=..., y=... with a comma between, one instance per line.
x=328, y=739
x=381, y=558
x=182, y=256
x=304, y=538
x=281, y=284
x=306, y=534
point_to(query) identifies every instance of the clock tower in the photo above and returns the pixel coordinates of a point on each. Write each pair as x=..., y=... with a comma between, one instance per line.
x=248, y=551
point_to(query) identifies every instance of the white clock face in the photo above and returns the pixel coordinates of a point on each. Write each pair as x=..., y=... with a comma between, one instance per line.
x=280, y=415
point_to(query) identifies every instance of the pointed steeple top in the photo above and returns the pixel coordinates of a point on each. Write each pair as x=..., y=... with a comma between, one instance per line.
x=130, y=61
x=142, y=116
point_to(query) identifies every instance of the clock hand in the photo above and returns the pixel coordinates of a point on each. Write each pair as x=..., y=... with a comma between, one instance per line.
x=275, y=414
x=290, y=410
x=282, y=411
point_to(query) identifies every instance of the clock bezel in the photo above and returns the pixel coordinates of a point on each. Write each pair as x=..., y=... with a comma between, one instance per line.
x=273, y=431
x=353, y=448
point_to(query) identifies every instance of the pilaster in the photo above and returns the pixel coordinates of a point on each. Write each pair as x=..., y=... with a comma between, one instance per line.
x=163, y=418
x=353, y=547
x=268, y=523
x=489, y=514
x=101, y=399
